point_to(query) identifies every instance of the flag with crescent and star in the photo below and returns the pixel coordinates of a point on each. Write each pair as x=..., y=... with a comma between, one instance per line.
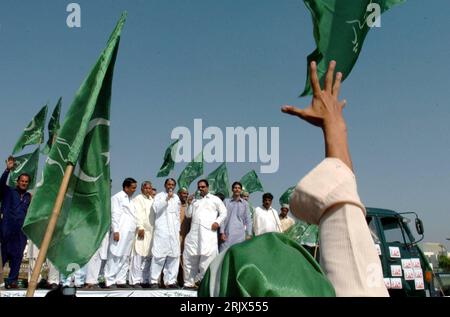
x=83, y=141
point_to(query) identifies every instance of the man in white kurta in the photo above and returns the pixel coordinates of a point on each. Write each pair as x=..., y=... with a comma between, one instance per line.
x=201, y=244
x=141, y=255
x=123, y=228
x=166, y=237
x=266, y=217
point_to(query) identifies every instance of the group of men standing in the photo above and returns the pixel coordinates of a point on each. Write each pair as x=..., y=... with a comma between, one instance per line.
x=156, y=240
x=172, y=238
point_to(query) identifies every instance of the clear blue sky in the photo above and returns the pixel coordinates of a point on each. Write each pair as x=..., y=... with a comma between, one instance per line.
x=234, y=63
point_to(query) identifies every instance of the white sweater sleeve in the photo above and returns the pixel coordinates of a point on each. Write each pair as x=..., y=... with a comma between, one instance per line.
x=328, y=196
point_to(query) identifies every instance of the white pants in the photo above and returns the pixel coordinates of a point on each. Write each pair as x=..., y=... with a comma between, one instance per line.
x=53, y=273
x=116, y=269
x=195, y=267
x=139, y=269
x=93, y=268
x=170, y=266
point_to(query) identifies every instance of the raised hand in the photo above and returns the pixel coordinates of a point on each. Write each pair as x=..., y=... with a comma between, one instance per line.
x=325, y=107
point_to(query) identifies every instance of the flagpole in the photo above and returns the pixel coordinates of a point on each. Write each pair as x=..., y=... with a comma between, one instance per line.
x=50, y=229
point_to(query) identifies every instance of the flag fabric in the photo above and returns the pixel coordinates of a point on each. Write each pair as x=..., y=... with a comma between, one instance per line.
x=169, y=162
x=280, y=268
x=250, y=183
x=304, y=233
x=53, y=127
x=284, y=199
x=218, y=181
x=84, y=142
x=33, y=133
x=27, y=163
x=193, y=170
x=340, y=28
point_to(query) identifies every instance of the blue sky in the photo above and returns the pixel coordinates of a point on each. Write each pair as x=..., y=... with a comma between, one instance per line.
x=234, y=63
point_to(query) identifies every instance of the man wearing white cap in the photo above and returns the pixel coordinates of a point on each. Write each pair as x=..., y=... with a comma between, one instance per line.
x=285, y=220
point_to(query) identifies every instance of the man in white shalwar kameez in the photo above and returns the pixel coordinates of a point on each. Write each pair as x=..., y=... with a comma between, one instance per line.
x=201, y=244
x=166, y=237
x=265, y=218
x=123, y=228
x=141, y=255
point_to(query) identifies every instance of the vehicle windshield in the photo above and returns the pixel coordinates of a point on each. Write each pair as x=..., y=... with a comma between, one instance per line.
x=394, y=231
x=442, y=283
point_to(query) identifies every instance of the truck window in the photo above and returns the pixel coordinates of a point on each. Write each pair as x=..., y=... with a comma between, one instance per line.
x=393, y=230
x=373, y=229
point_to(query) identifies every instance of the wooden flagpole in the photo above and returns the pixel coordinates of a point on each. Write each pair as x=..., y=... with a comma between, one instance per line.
x=50, y=230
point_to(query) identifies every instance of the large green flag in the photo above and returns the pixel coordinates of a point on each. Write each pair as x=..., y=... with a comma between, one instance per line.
x=169, y=163
x=284, y=199
x=33, y=133
x=250, y=183
x=340, y=28
x=27, y=163
x=218, y=181
x=269, y=265
x=84, y=142
x=193, y=170
x=53, y=127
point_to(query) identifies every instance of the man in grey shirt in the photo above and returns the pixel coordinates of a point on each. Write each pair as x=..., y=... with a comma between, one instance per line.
x=238, y=224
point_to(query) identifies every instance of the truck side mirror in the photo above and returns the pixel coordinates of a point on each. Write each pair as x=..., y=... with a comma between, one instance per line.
x=419, y=226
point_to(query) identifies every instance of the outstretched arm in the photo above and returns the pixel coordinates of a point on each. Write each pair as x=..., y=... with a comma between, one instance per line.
x=328, y=196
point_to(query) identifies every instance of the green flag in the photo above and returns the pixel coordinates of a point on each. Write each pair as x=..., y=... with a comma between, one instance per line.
x=284, y=199
x=218, y=181
x=84, y=142
x=27, y=163
x=33, y=133
x=169, y=163
x=340, y=27
x=193, y=170
x=53, y=127
x=250, y=183
x=270, y=265
x=304, y=234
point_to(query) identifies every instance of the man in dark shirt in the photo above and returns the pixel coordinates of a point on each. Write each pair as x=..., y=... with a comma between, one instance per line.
x=15, y=202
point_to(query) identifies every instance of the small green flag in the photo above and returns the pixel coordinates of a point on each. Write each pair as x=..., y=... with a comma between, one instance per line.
x=53, y=127
x=218, y=181
x=304, y=234
x=250, y=183
x=340, y=28
x=193, y=170
x=33, y=133
x=169, y=163
x=284, y=199
x=27, y=163
x=84, y=142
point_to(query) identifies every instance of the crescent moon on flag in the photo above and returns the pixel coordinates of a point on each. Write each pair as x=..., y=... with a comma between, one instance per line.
x=31, y=126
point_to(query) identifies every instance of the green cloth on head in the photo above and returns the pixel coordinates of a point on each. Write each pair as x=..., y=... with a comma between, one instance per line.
x=270, y=265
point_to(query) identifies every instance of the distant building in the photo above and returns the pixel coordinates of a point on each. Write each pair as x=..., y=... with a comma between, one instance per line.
x=433, y=250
